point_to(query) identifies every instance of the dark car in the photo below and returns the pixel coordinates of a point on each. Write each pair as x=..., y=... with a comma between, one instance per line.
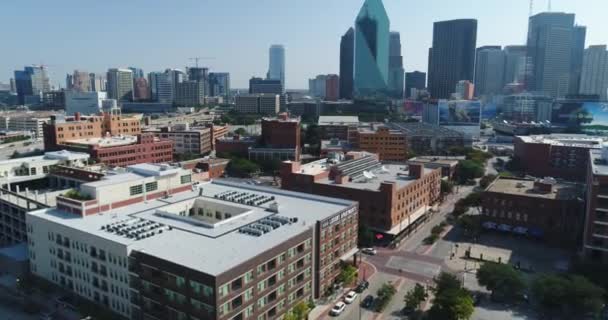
x=368, y=302
x=477, y=297
x=363, y=285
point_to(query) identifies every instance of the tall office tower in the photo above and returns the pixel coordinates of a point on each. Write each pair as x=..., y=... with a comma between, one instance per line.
x=317, y=86
x=464, y=90
x=142, y=90
x=120, y=84
x=137, y=73
x=332, y=87
x=414, y=80
x=199, y=75
x=452, y=57
x=81, y=81
x=371, y=49
x=395, y=66
x=98, y=82
x=13, y=85
x=576, y=61
x=161, y=88
x=219, y=84
x=276, y=63
x=489, y=71
x=69, y=81
x=347, y=51
x=259, y=85
x=594, y=76
x=31, y=83
x=515, y=64
x=550, y=37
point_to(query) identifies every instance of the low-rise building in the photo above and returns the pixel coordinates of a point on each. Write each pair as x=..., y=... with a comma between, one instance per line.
x=393, y=198
x=595, y=236
x=234, y=145
x=339, y=127
x=187, y=140
x=25, y=121
x=126, y=244
x=390, y=145
x=85, y=103
x=446, y=164
x=266, y=104
x=424, y=138
x=280, y=139
x=543, y=209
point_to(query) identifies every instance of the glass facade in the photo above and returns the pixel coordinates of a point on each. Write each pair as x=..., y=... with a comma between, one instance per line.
x=371, y=49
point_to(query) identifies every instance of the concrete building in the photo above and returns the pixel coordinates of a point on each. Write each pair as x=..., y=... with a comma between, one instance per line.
x=347, y=60
x=24, y=122
x=280, y=140
x=489, y=71
x=219, y=84
x=464, y=90
x=317, y=86
x=544, y=209
x=428, y=139
x=161, y=87
x=388, y=144
x=445, y=163
x=276, y=64
x=120, y=85
x=395, y=66
x=452, y=57
x=527, y=107
x=595, y=245
x=339, y=127
x=556, y=155
x=141, y=89
x=190, y=94
x=594, y=76
x=579, y=34
x=332, y=87
x=265, y=86
x=187, y=140
x=266, y=104
x=235, y=145
x=31, y=83
x=387, y=203
x=414, y=80
x=98, y=82
x=84, y=102
x=80, y=81
x=301, y=241
x=515, y=64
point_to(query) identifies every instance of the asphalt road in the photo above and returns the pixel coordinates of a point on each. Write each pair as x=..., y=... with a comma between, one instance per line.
x=6, y=150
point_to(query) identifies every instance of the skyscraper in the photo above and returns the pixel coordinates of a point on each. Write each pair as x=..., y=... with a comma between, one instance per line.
x=515, y=64
x=276, y=63
x=98, y=82
x=161, y=89
x=219, y=84
x=199, y=75
x=141, y=89
x=80, y=81
x=576, y=63
x=594, y=76
x=347, y=50
x=452, y=57
x=120, y=84
x=489, y=71
x=31, y=82
x=137, y=73
x=259, y=85
x=371, y=49
x=395, y=66
x=550, y=38
x=414, y=80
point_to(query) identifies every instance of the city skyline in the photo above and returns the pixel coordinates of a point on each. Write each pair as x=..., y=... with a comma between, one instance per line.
x=244, y=54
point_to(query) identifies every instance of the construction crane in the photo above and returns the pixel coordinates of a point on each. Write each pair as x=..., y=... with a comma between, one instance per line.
x=196, y=59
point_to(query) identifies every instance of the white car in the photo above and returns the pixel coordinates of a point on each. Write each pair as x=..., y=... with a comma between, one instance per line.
x=338, y=309
x=350, y=297
x=370, y=251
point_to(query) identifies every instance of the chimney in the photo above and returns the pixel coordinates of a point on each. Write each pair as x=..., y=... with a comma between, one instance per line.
x=415, y=171
x=341, y=179
x=76, y=116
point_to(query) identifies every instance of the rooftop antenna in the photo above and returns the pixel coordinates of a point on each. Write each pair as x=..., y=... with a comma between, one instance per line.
x=549, y=6
x=531, y=8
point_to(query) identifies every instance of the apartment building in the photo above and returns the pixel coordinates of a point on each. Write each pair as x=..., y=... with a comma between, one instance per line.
x=339, y=127
x=25, y=122
x=280, y=139
x=390, y=145
x=190, y=140
x=62, y=129
x=595, y=236
x=393, y=198
x=129, y=248
x=266, y=104
x=556, y=155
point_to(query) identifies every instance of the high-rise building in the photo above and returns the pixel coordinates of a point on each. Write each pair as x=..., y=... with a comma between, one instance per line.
x=84, y=102
x=98, y=82
x=465, y=90
x=200, y=75
x=452, y=57
x=31, y=81
x=395, y=66
x=80, y=81
x=414, y=80
x=594, y=76
x=332, y=87
x=142, y=90
x=515, y=64
x=219, y=84
x=69, y=81
x=137, y=73
x=550, y=39
x=120, y=84
x=489, y=70
x=347, y=51
x=276, y=64
x=371, y=49
x=161, y=89
x=576, y=61
x=190, y=93
x=13, y=85
x=317, y=86
x=259, y=85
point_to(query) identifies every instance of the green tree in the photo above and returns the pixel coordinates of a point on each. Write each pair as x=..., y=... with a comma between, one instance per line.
x=446, y=187
x=486, y=180
x=444, y=282
x=241, y=131
x=348, y=275
x=241, y=167
x=471, y=224
x=468, y=170
x=570, y=296
x=415, y=297
x=452, y=302
x=299, y=312
x=385, y=294
x=503, y=280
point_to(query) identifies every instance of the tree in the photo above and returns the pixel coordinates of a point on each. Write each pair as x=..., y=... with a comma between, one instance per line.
x=571, y=295
x=444, y=282
x=299, y=312
x=446, y=187
x=471, y=224
x=241, y=131
x=486, y=180
x=452, y=302
x=385, y=294
x=415, y=297
x=468, y=170
x=241, y=167
x=348, y=275
x=503, y=280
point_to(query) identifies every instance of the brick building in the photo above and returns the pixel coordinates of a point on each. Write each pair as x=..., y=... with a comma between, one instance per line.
x=235, y=145
x=543, y=209
x=339, y=127
x=595, y=237
x=187, y=140
x=393, y=198
x=556, y=155
x=62, y=129
x=280, y=139
x=390, y=145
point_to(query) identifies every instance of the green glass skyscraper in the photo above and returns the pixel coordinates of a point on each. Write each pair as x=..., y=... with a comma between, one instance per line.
x=371, y=49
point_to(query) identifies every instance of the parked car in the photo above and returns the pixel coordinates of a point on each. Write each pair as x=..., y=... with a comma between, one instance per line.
x=337, y=309
x=367, y=302
x=350, y=297
x=370, y=251
x=363, y=285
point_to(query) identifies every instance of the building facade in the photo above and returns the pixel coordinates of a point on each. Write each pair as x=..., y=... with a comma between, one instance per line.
x=489, y=71
x=389, y=145
x=266, y=104
x=595, y=245
x=395, y=66
x=265, y=86
x=347, y=60
x=414, y=80
x=190, y=94
x=84, y=102
x=276, y=64
x=594, y=75
x=120, y=85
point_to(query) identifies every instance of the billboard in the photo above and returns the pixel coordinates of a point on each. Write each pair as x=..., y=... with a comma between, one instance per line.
x=413, y=108
x=591, y=115
x=459, y=113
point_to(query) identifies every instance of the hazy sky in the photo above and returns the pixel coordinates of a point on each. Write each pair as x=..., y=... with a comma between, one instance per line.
x=157, y=34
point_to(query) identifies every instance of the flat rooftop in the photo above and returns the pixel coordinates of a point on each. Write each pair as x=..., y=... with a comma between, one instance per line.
x=525, y=187
x=114, y=141
x=570, y=140
x=338, y=120
x=423, y=129
x=200, y=241
x=397, y=173
x=437, y=160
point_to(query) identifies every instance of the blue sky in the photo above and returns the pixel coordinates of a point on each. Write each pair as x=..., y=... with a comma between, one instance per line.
x=156, y=34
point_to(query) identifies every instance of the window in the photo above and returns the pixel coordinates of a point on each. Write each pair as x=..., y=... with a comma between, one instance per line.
x=186, y=179
x=135, y=190
x=151, y=186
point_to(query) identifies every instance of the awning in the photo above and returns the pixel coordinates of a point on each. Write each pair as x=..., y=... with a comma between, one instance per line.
x=505, y=227
x=520, y=230
x=489, y=225
x=536, y=232
x=349, y=254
